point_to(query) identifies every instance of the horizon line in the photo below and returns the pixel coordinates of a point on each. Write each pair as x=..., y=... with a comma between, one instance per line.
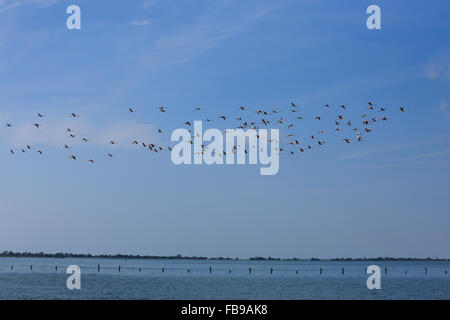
x=26, y=254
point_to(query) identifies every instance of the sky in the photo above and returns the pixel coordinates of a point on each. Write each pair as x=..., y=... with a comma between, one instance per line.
x=386, y=196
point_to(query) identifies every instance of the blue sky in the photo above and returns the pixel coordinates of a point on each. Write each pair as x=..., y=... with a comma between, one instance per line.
x=386, y=196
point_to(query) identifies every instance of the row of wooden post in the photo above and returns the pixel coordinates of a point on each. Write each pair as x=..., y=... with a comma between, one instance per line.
x=249, y=270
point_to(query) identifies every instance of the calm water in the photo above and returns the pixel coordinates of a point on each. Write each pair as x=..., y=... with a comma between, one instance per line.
x=44, y=282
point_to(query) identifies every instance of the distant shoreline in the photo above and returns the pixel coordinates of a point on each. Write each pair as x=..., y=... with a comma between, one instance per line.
x=62, y=255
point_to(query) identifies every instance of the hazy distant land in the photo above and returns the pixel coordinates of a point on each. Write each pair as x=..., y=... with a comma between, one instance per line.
x=11, y=254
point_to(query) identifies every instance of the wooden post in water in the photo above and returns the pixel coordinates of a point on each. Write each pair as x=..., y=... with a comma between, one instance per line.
x=426, y=271
x=31, y=267
x=321, y=270
x=56, y=268
x=119, y=267
x=98, y=268
x=12, y=267
x=210, y=269
x=162, y=270
x=385, y=270
x=342, y=271
x=249, y=270
x=271, y=270
x=296, y=271
x=406, y=271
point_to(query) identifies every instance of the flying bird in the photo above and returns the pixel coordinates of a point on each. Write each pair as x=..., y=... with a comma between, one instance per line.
x=248, y=123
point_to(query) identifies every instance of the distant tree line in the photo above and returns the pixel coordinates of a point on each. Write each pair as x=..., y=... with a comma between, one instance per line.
x=180, y=257
x=87, y=255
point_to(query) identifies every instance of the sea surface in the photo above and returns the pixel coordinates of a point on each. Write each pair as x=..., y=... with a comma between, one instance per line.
x=47, y=279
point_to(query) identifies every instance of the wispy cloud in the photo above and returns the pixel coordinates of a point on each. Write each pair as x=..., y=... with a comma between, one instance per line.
x=364, y=82
x=207, y=31
x=149, y=3
x=431, y=154
x=6, y=5
x=439, y=66
x=56, y=134
x=139, y=23
x=394, y=148
x=443, y=107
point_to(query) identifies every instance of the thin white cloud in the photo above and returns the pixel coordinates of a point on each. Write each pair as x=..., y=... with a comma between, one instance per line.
x=439, y=67
x=206, y=32
x=431, y=155
x=149, y=3
x=364, y=82
x=139, y=23
x=393, y=148
x=6, y=5
x=56, y=134
x=443, y=107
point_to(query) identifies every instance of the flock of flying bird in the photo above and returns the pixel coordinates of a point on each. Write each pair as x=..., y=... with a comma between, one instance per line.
x=288, y=118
